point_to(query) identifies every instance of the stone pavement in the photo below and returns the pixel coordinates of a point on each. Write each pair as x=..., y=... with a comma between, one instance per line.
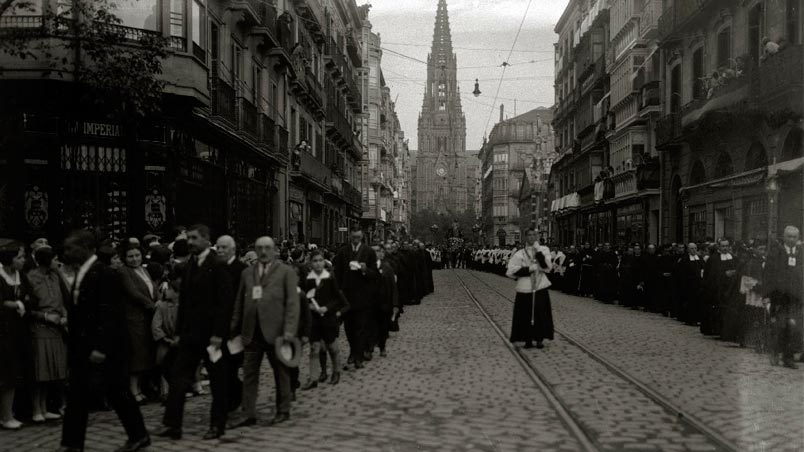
x=733, y=390
x=448, y=384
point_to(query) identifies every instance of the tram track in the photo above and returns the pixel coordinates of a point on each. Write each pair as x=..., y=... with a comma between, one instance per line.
x=585, y=436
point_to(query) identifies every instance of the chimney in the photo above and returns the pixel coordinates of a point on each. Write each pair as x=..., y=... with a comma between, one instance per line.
x=502, y=112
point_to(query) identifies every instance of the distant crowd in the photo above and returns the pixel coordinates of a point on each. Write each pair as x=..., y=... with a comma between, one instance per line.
x=749, y=293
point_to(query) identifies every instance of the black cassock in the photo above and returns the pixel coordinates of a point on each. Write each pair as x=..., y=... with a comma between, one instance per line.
x=719, y=291
x=627, y=282
x=607, y=276
x=572, y=274
x=648, y=274
x=688, y=281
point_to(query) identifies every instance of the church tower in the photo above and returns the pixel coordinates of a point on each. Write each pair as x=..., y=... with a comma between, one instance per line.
x=440, y=163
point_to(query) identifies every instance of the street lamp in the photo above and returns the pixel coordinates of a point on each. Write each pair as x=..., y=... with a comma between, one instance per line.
x=477, y=92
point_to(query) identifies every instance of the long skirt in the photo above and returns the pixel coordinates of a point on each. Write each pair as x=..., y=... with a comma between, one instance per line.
x=533, y=317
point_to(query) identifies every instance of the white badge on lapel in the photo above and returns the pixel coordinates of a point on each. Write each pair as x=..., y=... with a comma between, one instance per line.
x=791, y=261
x=256, y=293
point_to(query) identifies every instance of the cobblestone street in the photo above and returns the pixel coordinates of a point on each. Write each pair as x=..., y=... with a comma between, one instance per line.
x=451, y=384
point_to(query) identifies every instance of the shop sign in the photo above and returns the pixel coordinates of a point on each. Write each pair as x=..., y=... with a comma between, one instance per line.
x=94, y=129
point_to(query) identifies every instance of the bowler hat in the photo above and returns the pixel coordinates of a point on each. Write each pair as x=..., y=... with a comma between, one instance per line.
x=288, y=351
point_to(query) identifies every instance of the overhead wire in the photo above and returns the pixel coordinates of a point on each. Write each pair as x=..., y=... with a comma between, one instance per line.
x=502, y=76
x=469, y=48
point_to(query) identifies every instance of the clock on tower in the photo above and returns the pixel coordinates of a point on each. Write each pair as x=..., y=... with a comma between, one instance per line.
x=441, y=171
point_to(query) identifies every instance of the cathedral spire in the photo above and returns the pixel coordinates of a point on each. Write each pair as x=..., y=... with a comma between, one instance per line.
x=442, y=37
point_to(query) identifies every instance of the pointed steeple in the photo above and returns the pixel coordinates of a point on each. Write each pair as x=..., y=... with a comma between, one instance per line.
x=442, y=36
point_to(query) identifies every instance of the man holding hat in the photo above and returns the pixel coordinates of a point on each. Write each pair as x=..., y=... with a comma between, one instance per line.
x=266, y=316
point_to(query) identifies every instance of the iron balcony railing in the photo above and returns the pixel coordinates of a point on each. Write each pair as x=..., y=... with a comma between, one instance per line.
x=668, y=129
x=223, y=101
x=267, y=130
x=780, y=81
x=249, y=121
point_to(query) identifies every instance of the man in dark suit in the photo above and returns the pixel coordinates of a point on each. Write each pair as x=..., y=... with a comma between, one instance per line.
x=202, y=322
x=356, y=272
x=226, y=248
x=784, y=273
x=97, y=343
x=266, y=309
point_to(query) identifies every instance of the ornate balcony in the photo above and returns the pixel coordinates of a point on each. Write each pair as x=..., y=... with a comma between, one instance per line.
x=781, y=83
x=678, y=16
x=267, y=131
x=313, y=171
x=649, y=19
x=249, y=121
x=223, y=101
x=250, y=10
x=625, y=183
x=267, y=27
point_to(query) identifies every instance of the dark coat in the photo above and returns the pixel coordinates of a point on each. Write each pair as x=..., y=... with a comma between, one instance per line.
x=98, y=320
x=357, y=285
x=782, y=282
x=205, y=301
x=235, y=270
x=328, y=294
x=387, y=294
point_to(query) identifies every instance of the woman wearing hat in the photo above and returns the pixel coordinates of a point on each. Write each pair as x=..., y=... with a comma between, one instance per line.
x=533, y=319
x=14, y=290
x=48, y=327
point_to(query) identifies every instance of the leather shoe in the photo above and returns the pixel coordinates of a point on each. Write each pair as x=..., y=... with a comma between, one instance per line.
x=383, y=354
x=168, y=432
x=134, y=446
x=540, y=345
x=358, y=365
x=280, y=418
x=323, y=377
x=309, y=385
x=336, y=377
x=213, y=433
x=67, y=449
x=247, y=422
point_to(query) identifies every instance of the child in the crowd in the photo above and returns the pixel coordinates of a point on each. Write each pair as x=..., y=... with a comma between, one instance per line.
x=327, y=305
x=163, y=326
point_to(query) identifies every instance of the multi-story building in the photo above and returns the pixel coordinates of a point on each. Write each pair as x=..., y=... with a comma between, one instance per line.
x=731, y=132
x=440, y=182
x=384, y=210
x=242, y=141
x=581, y=121
x=516, y=145
x=629, y=189
x=321, y=197
x=473, y=188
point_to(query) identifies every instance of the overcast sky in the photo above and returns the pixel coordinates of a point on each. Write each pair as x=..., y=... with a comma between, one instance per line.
x=406, y=26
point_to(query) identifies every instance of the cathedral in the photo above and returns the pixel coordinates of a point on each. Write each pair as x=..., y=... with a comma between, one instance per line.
x=440, y=182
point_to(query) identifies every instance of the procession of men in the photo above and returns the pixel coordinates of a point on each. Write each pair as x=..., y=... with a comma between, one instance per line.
x=214, y=310
x=748, y=293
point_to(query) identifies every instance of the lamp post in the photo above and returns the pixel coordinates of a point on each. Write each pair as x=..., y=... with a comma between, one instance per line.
x=772, y=187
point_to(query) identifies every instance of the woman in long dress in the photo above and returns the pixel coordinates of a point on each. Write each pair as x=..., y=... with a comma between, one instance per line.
x=14, y=341
x=533, y=318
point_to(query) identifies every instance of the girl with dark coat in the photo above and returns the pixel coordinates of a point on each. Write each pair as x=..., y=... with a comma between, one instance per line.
x=14, y=296
x=327, y=304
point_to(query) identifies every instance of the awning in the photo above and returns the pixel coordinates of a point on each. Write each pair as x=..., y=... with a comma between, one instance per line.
x=569, y=201
x=788, y=166
x=735, y=180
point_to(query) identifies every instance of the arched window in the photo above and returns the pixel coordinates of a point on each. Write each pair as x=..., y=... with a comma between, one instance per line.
x=793, y=145
x=723, y=166
x=698, y=173
x=756, y=158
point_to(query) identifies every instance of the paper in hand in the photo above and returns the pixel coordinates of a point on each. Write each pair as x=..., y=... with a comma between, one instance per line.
x=235, y=345
x=354, y=265
x=215, y=354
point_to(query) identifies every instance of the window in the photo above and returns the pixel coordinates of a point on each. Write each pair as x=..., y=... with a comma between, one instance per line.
x=597, y=44
x=698, y=174
x=756, y=18
x=755, y=221
x=724, y=48
x=142, y=14
x=236, y=65
x=792, y=21
x=697, y=226
x=257, y=84
x=675, y=89
x=756, y=158
x=197, y=25
x=177, y=18
x=723, y=167
x=698, y=86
